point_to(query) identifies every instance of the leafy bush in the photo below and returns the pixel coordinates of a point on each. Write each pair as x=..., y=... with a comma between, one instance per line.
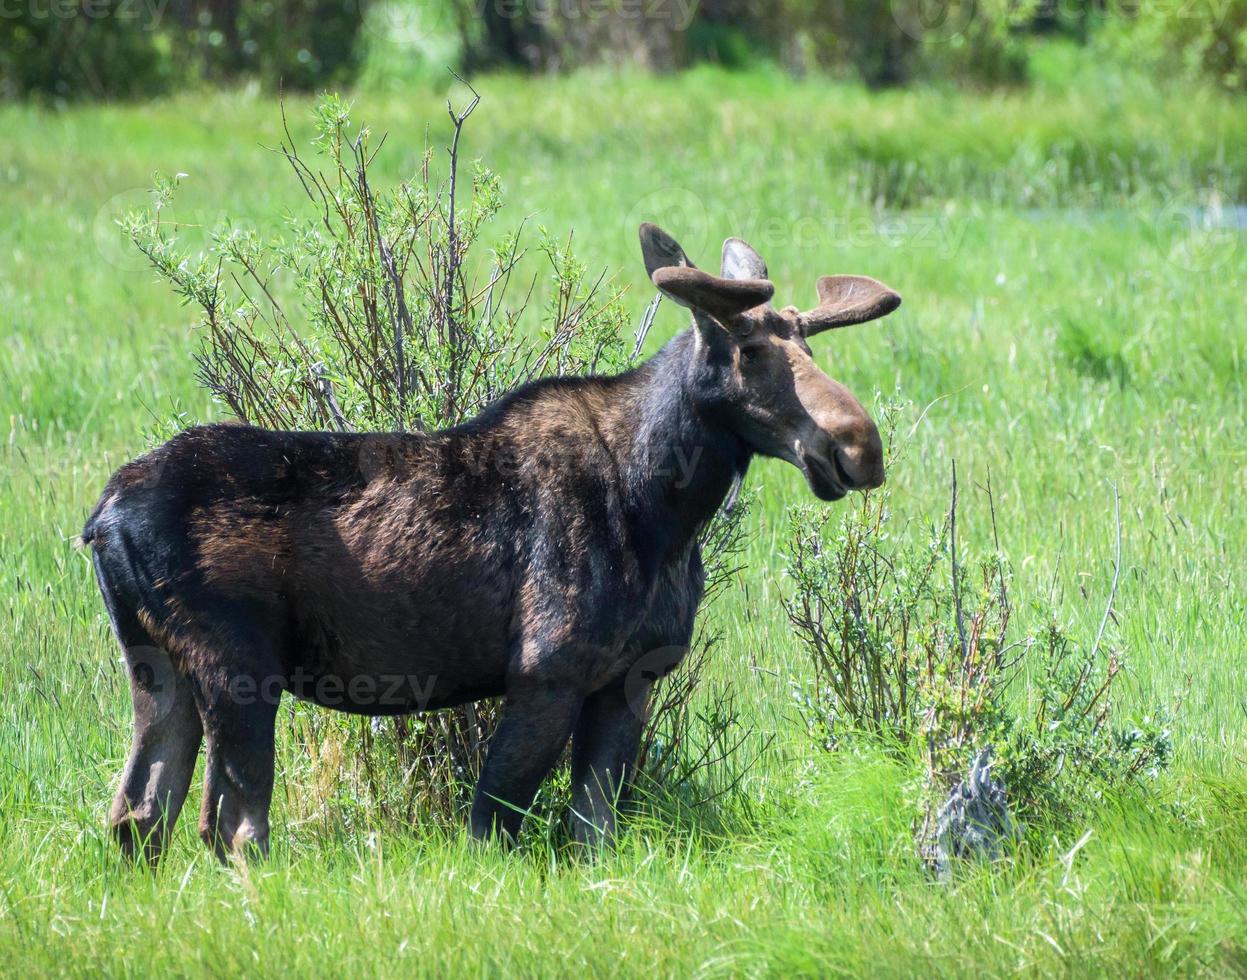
x=299, y=44
x=1095, y=352
x=882, y=43
x=1200, y=38
x=110, y=48
x=908, y=648
x=573, y=33
x=391, y=310
x=981, y=42
x=134, y=48
x=897, y=42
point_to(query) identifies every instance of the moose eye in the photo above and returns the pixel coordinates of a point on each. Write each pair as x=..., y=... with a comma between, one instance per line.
x=748, y=355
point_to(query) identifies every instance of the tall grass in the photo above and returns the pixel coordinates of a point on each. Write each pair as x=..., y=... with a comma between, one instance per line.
x=1001, y=219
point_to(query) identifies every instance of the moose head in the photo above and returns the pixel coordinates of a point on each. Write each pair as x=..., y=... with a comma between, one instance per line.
x=754, y=371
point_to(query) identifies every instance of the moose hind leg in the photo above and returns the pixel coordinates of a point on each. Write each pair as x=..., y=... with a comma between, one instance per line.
x=535, y=726
x=238, y=774
x=167, y=734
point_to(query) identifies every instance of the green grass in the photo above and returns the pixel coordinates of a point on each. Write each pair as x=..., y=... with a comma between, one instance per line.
x=1062, y=324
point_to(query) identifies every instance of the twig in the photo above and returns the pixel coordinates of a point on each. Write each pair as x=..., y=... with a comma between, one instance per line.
x=452, y=246
x=395, y=298
x=1112, y=593
x=952, y=543
x=647, y=321
x=321, y=376
x=1000, y=570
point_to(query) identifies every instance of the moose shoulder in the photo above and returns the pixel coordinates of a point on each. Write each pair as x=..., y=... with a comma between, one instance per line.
x=537, y=552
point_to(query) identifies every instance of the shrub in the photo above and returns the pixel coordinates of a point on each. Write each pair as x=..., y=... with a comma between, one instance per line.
x=390, y=329
x=909, y=648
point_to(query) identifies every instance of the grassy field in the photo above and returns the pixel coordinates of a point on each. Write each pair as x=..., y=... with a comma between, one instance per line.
x=1073, y=318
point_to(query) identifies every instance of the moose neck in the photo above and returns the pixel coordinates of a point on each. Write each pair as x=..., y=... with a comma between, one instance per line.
x=682, y=464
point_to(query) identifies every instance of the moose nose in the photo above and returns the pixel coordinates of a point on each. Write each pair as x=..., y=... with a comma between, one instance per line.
x=861, y=460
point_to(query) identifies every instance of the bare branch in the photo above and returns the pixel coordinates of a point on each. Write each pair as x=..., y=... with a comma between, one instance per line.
x=647, y=321
x=952, y=548
x=1112, y=592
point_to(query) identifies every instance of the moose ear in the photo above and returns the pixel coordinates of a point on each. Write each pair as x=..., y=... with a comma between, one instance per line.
x=660, y=250
x=701, y=292
x=844, y=300
x=740, y=261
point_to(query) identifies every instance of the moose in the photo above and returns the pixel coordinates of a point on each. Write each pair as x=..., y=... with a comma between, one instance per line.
x=238, y=564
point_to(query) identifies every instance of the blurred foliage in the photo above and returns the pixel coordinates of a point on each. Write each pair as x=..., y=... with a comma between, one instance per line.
x=549, y=36
x=1204, y=39
x=977, y=42
x=884, y=44
x=132, y=48
x=107, y=49
x=299, y=44
x=129, y=48
x=896, y=42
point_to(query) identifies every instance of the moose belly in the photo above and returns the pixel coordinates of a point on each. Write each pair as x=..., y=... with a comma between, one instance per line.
x=389, y=693
x=410, y=616
x=420, y=649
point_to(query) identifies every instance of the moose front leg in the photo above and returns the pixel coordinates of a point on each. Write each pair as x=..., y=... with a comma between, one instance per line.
x=604, y=751
x=536, y=723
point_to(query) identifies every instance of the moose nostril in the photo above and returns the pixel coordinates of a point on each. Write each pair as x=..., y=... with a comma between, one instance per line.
x=843, y=476
x=859, y=471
